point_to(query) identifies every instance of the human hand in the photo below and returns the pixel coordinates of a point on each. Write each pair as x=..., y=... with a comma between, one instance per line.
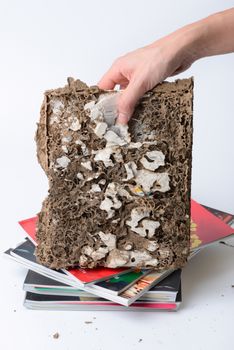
x=141, y=70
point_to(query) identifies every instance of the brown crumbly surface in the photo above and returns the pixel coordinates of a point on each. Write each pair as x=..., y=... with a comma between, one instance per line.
x=75, y=226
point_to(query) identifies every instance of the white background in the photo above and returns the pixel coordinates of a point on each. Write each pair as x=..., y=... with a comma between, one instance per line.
x=43, y=42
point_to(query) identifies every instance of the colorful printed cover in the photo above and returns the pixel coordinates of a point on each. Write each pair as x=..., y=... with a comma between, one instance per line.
x=206, y=227
x=119, y=283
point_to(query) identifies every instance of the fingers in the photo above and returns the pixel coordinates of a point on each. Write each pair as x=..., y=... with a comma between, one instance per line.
x=106, y=83
x=129, y=98
x=111, y=78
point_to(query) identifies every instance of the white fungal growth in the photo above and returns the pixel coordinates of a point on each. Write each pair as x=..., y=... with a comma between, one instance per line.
x=102, y=182
x=104, y=106
x=80, y=176
x=100, y=129
x=143, y=227
x=137, y=214
x=122, y=192
x=99, y=254
x=107, y=205
x=95, y=188
x=118, y=258
x=113, y=139
x=75, y=124
x=117, y=155
x=111, y=201
x=87, y=250
x=115, y=221
x=109, y=239
x=63, y=161
x=151, y=246
x=89, y=105
x=92, y=176
x=83, y=260
x=57, y=110
x=148, y=228
x=135, y=144
x=152, y=181
x=64, y=148
x=57, y=106
x=83, y=146
x=104, y=155
x=87, y=164
x=104, y=113
x=151, y=226
x=66, y=139
x=131, y=170
x=142, y=258
x=157, y=159
x=128, y=246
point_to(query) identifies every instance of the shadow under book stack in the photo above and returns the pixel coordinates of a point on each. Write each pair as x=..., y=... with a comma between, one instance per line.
x=114, y=289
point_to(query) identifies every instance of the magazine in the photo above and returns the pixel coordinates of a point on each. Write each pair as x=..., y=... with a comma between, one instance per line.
x=166, y=290
x=51, y=302
x=205, y=228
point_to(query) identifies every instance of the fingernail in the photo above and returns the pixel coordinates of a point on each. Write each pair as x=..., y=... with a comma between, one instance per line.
x=122, y=118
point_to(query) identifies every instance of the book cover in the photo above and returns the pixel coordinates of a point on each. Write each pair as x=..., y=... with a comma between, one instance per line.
x=119, y=283
x=206, y=226
x=169, y=284
x=222, y=215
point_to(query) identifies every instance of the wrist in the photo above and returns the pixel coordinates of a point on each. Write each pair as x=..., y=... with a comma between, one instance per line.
x=191, y=41
x=185, y=44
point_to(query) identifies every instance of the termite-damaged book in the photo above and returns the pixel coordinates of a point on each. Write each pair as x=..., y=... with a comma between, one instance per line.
x=119, y=195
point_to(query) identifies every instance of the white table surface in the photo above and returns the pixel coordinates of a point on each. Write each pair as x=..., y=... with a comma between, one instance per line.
x=42, y=43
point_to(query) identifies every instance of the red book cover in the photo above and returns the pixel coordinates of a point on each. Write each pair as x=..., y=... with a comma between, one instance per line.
x=146, y=305
x=29, y=226
x=206, y=227
x=96, y=274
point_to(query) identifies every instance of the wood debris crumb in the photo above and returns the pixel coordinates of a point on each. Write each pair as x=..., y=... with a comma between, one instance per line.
x=56, y=335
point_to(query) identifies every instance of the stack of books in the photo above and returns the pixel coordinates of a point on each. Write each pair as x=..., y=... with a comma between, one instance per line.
x=114, y=289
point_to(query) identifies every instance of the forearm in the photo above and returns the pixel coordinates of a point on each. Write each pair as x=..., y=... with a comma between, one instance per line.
x=210, y=36
x=142, y=69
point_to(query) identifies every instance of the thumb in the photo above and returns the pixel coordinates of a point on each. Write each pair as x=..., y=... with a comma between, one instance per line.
x=128, y=99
